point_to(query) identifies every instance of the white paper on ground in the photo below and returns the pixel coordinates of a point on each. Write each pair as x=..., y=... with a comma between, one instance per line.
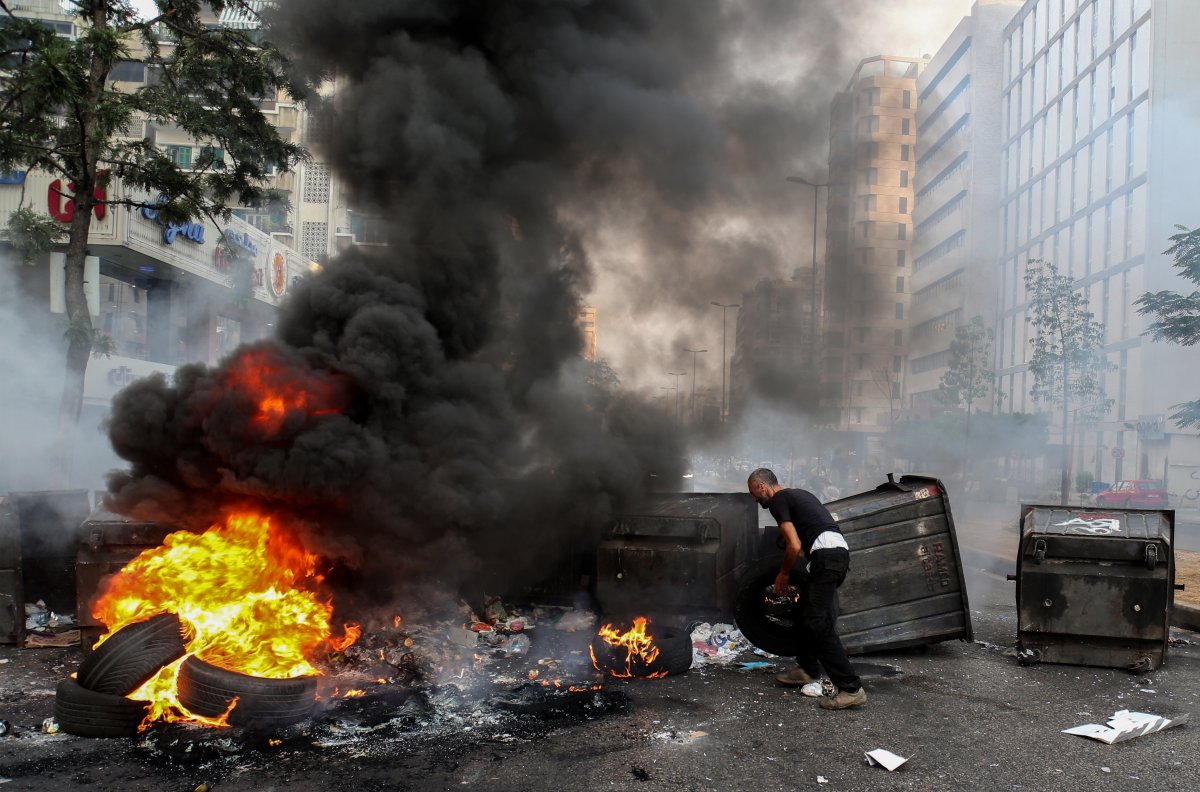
x=885, y=759
x=1125, y=725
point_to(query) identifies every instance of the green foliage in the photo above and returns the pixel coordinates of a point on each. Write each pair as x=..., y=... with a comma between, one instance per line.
x=32, y=234
x=1067, y=362
x=83, y=333
x=1177, y=316
x=63, y=114
x=969, y=374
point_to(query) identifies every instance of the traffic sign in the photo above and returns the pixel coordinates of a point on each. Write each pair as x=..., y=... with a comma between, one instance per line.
x=1118, y=452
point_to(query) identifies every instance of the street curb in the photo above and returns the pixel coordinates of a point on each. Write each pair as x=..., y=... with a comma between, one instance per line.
x=1186, y=617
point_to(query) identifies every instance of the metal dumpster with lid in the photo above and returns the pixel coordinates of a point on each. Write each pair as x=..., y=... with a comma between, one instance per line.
x=1095, y=586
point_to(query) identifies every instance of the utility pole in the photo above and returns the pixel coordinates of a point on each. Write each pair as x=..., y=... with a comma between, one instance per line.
x=722, y=306
x=678, y=411
x=694, y=352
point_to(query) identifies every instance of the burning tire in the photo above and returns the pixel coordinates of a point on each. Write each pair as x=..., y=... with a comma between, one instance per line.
x=262, y=703
x=87, y=713
x=770, y=628
x=132, y=655
x=674, y=656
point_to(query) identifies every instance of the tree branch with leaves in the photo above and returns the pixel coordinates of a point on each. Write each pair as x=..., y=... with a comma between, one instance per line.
x=63, y=114
x=1176, y=315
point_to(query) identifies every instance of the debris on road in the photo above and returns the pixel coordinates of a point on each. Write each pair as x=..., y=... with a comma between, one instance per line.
x=881, y=757
x=1125, y=725
x=718, y=644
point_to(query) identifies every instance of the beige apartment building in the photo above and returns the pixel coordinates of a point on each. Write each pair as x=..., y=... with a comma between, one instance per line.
x=872, y=160
x=956, y=216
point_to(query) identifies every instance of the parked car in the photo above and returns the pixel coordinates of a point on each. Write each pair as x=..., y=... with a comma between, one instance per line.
x=1135, y=494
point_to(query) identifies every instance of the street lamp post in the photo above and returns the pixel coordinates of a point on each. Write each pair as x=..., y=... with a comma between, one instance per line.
x=813, y=296
x=694, y=352
x=678, y=411
x=723, y=307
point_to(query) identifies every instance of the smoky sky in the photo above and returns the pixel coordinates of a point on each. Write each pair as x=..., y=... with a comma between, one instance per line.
x=446, y=428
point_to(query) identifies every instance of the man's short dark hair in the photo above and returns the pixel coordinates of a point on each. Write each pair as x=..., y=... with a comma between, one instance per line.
x=765, y=475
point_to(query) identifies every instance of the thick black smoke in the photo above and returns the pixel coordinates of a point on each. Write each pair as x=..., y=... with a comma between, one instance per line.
x=448, y=427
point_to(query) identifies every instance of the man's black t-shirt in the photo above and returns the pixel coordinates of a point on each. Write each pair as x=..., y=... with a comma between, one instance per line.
x=802, y=509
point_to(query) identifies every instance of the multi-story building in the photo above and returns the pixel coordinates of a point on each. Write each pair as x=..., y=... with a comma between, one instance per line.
x=586, y=322
x=872, y=159
x=772, y=349
x=1099, y=164
x=956, y=230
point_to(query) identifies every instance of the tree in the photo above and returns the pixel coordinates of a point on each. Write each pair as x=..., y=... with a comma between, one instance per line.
x=1177, y=316
x=969, y=374
x=1067, y=361
x=62, y=113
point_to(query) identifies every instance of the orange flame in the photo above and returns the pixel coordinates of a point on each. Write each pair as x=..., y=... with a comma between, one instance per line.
x=352, y=633
x=639, y=648
x=249, y=593
x=278, y=389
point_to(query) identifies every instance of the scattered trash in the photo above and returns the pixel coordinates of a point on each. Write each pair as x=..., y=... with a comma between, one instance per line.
x=822, y=780
x=718, y=644
x=50, y=726
x=753, y=665
x=1125, y=725
x=47, y=628
x=1147, y=690
x=5, y=726
x=1105, y=769
x=881, y=757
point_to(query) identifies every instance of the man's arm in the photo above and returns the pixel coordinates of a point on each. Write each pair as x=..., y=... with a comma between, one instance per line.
x=791, y=551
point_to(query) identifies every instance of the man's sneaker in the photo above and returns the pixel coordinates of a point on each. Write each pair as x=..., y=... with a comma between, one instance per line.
x=796, y=677
x=813, y=689
x=844, y=700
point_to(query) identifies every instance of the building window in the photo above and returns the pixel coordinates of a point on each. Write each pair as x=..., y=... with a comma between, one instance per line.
x=905, y=126
x=180, y=155
x=872, y=176
x=899, y=284
x=127, y=71
x=899, y=310
x=901, y=231
x=904, y=152
x=897, y=364
x=211, y=157
x=907, y=100
x=899, y=338
x=899, y=258
x=903, y=178
x=903, y=205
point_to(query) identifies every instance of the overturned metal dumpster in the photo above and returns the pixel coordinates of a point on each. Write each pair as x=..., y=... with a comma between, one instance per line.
x=1095, y=586
x=905, y=586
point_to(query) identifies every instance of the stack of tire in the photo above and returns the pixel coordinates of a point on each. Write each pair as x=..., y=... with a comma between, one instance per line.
x=95, y=703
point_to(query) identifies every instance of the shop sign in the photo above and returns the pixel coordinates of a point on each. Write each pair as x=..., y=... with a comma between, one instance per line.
x=278, y=274
x=105, y=376
x=65, y=212
x=12, y=177
x=191, y=231
x=242, y=240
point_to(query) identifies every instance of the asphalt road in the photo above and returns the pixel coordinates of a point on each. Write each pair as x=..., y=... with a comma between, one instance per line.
x=968, y=716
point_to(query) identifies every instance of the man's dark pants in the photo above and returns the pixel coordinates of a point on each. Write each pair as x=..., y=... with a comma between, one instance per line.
x=817, y=622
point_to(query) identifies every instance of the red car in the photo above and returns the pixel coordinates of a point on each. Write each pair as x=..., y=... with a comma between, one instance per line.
x=1138, y=494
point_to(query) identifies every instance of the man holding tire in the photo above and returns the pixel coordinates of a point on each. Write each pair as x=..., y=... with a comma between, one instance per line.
x=809, y=530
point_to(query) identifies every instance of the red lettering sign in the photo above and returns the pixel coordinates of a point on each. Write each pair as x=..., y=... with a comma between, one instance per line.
x=65, y=212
